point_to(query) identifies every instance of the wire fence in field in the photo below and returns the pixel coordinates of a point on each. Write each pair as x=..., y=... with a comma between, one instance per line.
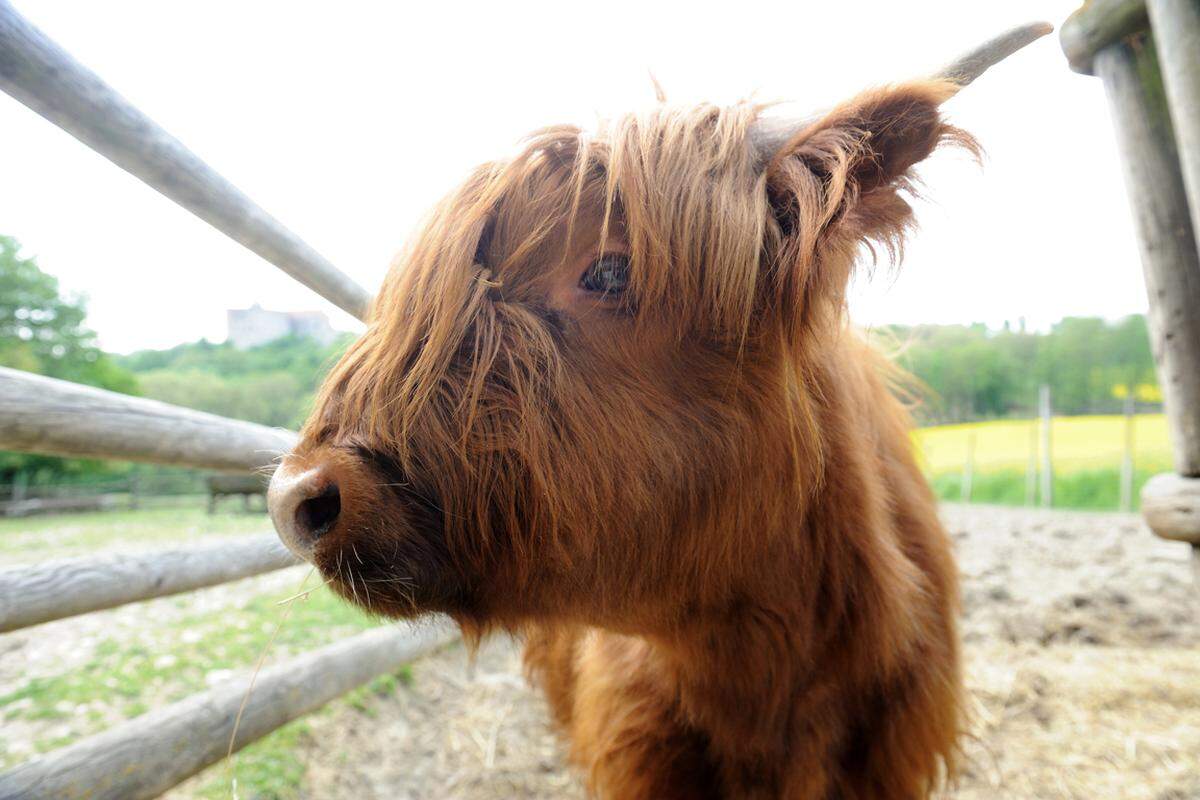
x=1096, y=461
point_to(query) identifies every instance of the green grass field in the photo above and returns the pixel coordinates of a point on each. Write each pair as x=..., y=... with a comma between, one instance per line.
x=1086, y=451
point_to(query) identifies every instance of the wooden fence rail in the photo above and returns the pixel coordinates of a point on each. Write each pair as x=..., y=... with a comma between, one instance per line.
x=43, y=76
x=45, y=415
x=30, y=595
x=146, y=756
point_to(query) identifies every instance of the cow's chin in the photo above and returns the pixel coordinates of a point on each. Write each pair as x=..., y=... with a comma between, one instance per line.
x=392, y=571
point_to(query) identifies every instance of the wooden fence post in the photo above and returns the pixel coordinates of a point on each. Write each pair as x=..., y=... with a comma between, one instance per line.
x=969, y=468
x=1031, y=466
x=1112, y=40
x=1170, y=261
x=19, y=486
x=1045, y=412
x=1126, y=502
x=1176, y=26
x=135, y=487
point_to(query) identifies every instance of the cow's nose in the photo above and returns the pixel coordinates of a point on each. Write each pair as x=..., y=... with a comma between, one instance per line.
x=304, y=506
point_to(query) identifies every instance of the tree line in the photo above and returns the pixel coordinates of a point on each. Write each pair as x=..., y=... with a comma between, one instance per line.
x=972, y=372
x=272, y=384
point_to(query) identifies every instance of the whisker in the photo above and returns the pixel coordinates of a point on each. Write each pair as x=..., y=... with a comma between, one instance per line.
x=350, y=575
x=367, y=594
x=403, y=581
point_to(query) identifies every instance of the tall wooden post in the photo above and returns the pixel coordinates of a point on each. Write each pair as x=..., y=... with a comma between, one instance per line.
x=1176, y=26
x=1170, y=261
x=20, y=483
x=969, y=468
x=1113, y=40
x=1031, y=467
x=1046, y=413
x=135, y=489
x=1126, y=502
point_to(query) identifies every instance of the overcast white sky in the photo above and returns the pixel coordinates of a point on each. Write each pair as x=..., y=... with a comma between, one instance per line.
x=346, y=120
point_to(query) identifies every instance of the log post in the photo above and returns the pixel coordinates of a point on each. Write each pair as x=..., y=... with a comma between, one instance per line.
x=1127, y=471
x=1031, y=466
x=968, y=478
x=1170, y=261
x=1171, y=503
x=1046, y=413
x=1176, y=26
x=1171, y=507
x=1111, y=39
x=1095, y=26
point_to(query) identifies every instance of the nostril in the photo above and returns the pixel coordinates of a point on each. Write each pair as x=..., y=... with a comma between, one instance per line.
x=316, y=515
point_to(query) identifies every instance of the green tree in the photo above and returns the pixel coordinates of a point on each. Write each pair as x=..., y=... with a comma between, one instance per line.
x=272, y=384
x=43, y=331
x=271, y=398
x=973, y=372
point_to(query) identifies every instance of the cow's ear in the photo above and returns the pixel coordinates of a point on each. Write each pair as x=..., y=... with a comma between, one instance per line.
x=840, y=181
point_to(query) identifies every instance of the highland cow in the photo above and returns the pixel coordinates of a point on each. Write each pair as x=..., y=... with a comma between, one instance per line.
x=608, y=399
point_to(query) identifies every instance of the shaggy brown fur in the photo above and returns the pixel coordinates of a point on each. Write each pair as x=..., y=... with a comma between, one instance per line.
x=696, y=498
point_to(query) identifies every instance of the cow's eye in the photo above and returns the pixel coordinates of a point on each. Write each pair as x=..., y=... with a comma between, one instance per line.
x=608, y=274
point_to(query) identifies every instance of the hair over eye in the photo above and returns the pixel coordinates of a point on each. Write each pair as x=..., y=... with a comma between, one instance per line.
x=608, y=274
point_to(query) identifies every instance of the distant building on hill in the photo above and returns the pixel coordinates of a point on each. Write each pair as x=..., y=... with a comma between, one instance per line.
x=254, y=326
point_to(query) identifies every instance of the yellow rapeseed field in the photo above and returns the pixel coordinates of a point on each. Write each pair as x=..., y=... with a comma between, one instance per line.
x=1077, y=443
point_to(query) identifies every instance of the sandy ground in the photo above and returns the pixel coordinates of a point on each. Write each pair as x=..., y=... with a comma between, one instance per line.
x=1083, y=662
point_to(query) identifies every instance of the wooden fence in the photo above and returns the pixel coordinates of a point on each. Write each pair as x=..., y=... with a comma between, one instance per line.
x=1147, y=55
x=146, y=756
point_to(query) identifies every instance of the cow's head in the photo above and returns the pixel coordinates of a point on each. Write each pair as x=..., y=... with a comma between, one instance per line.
x=590, y=388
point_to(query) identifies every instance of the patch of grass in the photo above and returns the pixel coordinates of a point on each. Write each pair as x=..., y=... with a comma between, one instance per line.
x=49, y=743
x=38, y=538
x=1003, y=487
x=363, y=697
x=269, y=769
x=1087, y=454
x=1094, y=489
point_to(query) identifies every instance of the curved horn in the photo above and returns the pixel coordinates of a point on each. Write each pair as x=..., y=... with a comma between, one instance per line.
x=972, y=64
x=769, y=134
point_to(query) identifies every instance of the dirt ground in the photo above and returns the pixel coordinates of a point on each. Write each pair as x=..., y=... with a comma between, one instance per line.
x=1083, y=661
